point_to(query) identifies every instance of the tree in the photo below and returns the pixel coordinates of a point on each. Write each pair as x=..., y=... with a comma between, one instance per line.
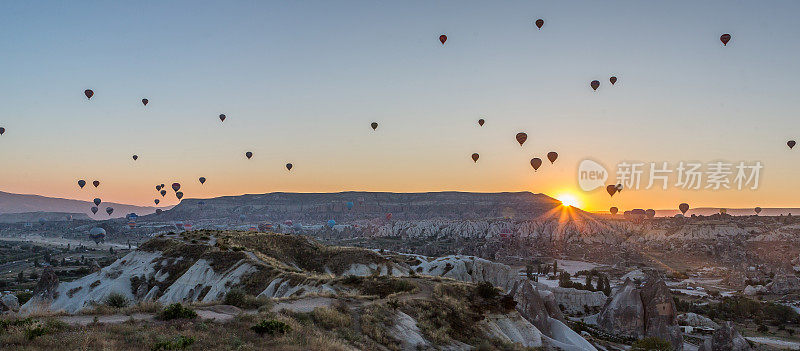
x=529, y=271
x=20, y=277
x=564, y=281
x=555, y=267
x=607, y=287
x=588, y=282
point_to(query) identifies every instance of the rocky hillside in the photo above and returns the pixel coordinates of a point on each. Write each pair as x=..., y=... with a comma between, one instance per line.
x=21, y=203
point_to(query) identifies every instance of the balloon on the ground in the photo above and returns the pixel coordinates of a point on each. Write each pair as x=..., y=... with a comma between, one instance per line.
x=331, y=223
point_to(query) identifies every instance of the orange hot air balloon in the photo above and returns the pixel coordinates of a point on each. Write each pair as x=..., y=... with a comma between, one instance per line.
x=374, y=125
x=481, y=122
x=611, y=189
x=521, y=137
x=552, y=156
x=613, y=210
x=289, y=166
x=222, y=118
x=81, y=183
x=96, y=183
x=791, y=143
x=475, y=157
x=135, y=157
x=595, y=84
x=248, y=154
x=443, y=38
x=613, y=80
x=539, y=23
x=145, y=101
x=89, y=93
x=176, y=186
x=725, y=38
x=683, y=207
x=536, y=163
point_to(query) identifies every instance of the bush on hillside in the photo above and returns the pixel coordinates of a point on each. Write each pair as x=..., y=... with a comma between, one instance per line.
x=271, y=327
x=177, y=311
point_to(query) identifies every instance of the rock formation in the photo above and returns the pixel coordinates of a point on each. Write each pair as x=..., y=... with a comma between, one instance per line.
x=725, y=338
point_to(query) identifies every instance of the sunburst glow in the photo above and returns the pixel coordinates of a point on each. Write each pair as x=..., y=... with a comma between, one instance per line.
x=568, y=200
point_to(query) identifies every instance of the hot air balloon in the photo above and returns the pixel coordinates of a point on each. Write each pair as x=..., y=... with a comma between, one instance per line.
x=156, y=201
x=475, y=157
x=619, y=188
x=202, y=180
x=94, y=210
x=725, y=38
x=145, y=101
x=388, y=216
x=163, y=192
x=536, y=163
x=552, y=156
x=97, y=201
x=683, y=207
x=289, y=166
x=443, y=38
x=81, y=183
x=350, y=205
x=2, y=130
x=163, y=186
x=222, y=118
x=135, y=157
x=97, y=234
x=89, y=93
x=331, y=223
x=96, y=183
x=613, y=80
x=248, y=154
x=539, y=23
x=613, y=210
x=179, y=195
x=374, y=125
x=176, y=186
x=758, y=210
x=595, y=84
x=650, y=213
x=791, y=143
x=481, y=122
x=109, y=210
x=158, y=187
x=521, y=137
x=611, y=189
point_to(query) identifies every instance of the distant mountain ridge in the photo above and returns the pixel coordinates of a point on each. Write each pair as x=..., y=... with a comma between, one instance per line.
x=25, y=203
x=707, y=211
x=355, y=205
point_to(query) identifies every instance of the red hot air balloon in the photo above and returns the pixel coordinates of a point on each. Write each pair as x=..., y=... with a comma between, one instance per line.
x=156, y=201
x=521, y=137
x=536, y=163
x=725, y=38
x=89, y=93
x=202, y=180
x=613, y=80
x=176, y=186
x=595, y=84
x=163, y=193
x=611, y=189
x=97, y=202
x=791, y=143
x=443, y=38
x=94, y=210
x=683, y=207
x=109, y=210
x=481, y=122
x=145, y=101
x=613, y=210
x=179, y=195
x=81, y=183
x=96, y=183
x=374, y=125
x=539, y=23
x=388, y=216
x=222, y=118
x=552, y=156
x=289, y=166
x=248, y=154
x=135, y=157
x=475, y=157
x=2, y=130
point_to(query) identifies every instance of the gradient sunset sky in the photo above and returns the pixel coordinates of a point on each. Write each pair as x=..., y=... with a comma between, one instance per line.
x=300, y=82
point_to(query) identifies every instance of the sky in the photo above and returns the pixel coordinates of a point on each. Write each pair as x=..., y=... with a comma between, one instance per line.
x=301, y=82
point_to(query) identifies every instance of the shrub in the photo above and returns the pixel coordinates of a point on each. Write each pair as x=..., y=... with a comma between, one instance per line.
x=24, y=296
x=179, y=343
x=239, y=298
x=330, y=318
x=34, y=332
x=486, y=290
x=116, y=300
x=651, y=344
x=177, y=311
x=271, y=327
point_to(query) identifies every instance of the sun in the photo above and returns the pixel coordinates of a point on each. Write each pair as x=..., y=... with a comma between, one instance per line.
x=568, y=200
